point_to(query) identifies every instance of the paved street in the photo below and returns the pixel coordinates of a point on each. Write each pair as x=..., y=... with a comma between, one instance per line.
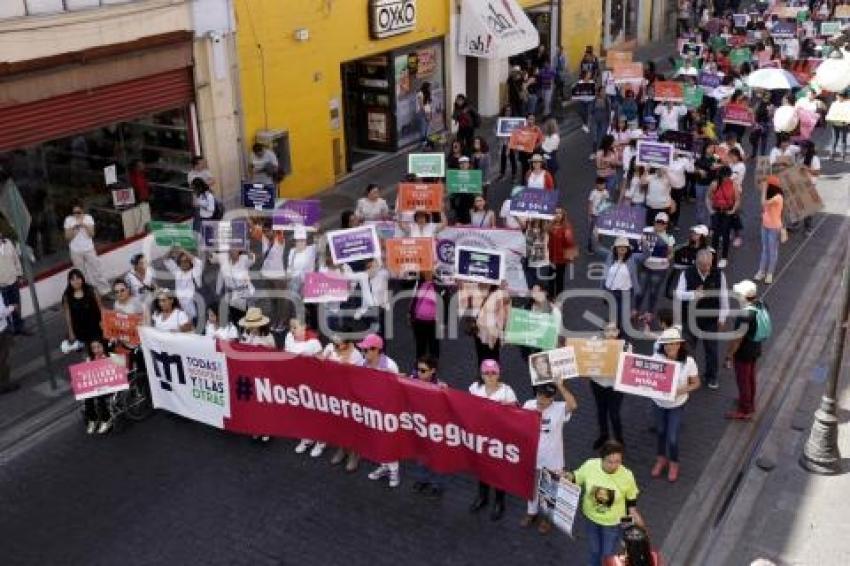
x=169, y=490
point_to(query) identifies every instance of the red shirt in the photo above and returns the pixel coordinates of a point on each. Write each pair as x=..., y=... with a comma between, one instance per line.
x=140, y=184
x=562, y=245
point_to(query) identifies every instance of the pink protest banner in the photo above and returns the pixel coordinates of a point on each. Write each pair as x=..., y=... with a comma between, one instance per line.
x=100, y=377
x=738, y=114
x=647, y=377
x=323, y=288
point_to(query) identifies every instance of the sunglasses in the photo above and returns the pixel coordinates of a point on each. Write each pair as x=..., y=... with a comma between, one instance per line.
x=661, y=222
x=489, y=373
x=423, y=369
x=373, y=349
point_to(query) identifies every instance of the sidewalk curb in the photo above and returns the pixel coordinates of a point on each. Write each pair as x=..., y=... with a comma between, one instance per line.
x=34, y=423
x=700, y=517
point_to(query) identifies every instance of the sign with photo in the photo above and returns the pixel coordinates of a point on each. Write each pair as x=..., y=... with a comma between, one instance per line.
x=533, y=329
x=464, y=181
x=354, y=244
x=583, y=91
x=523, y=139
x=558, y=500
x=225, y=235
x=622, y=220
x=654, y=154
x=169, y=234
x=324, y=288
x=292, y=213
x=413, y=197
x=682, y=141
x=553, y=366
x=479, y=265
x=96, y=378
x=426, y=165
x=258, y=196
x=409, y=255
x=597, y=357
x=671, y=91
x=123, y=197
x=504, y=126
x=511, y=242
x=535, y=203
x=647, y=376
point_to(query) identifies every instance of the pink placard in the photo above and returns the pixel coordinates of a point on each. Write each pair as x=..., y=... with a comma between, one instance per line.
x=324, y=288
x=100, y=377
x=647, y=376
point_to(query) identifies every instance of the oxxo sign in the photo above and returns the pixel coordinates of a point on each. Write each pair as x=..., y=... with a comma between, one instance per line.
x=391, y=17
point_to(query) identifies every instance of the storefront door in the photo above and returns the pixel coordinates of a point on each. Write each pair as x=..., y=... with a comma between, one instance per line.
x=621, y=26
x=369, y=123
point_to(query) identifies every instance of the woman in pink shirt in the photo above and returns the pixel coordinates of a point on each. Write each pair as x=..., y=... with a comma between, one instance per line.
x=424, y=307
x=771, y=228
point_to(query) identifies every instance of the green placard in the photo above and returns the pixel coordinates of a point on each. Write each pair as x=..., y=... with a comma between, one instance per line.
x=466, y=181
x=802, y=16
x=426, y=164
x=169, y=234
x=740, y=56
x=828, y=29
x=533, y=329
x=693, y=96
x=717, y=43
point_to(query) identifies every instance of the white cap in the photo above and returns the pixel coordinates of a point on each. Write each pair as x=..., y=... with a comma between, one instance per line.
x=746, y=289
x=700, y=229
x=300, y=233
x=662, y=217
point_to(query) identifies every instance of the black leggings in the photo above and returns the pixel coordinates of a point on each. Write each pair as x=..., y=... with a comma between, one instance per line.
x=608, y=402
x=484, y=493
x=507, y=154
x=425, y=336
x=722, y=226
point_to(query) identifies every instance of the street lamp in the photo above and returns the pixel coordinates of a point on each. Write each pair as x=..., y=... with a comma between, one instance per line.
x=820, y=454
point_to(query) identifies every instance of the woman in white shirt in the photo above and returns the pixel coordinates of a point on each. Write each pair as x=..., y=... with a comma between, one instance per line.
x=301, y=260
x=125, y=302
x=166, y=316
x=550, y=145
x=139, y=279
x=204, y=203
x=489, y=386
x=255, y=329
x=372, y=206
x=621, y=280
x=216, y=330
x=341, y=349
x=658, y=194
x=668, y=414
x=187, y=271
x=481, y=216
x=422, y=227
x=234, y=281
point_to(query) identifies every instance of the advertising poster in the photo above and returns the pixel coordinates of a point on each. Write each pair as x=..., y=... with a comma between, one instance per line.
x=96, y=378
x=353, y=244
x=464, y=181
x=647, y=376
x=654, y=154
x=479, y=265
x=596, y=357
x=413, y=197
x=533, y=329
x=535, y=203
x=323, y=288
x=409, y=255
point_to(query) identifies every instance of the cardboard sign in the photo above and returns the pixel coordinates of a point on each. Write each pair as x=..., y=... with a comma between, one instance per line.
x=801, y=198
x=426, y=165
x=225, y=235
x=561, y=365
x=738, y=114
x=682, y=141
x=596, y=357
x=708, y=80
x=654, y=154
x=169, y=234
x=479, y=265
x=615, y=58
x=647, y=376
x=464, y=181
x=292, y=213
x=414, y=197
x=324, y=288
x=354, y=244
x=504, y=126
x=122, y=327
x=558, y=501
x=622, y=220
x=671, y=91
x=842, y=11
x=523, y=139
x=628, y=73
x=533, y=329
x=693, y=96
x=258, y=196
x=409, y=255
x=96, y=378
x=738, y=57
x=535, y=203
x=583, y=91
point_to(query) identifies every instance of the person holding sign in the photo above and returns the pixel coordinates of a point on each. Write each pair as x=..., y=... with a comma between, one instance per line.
x=372, y=206
x=166, y=316
x=550, y=448
x=538, y=177
x=424, y=315
x=479, y=215
x=621, y=279
x=187, y=271
x=668, y=414
x=607, y=399
x=96, y=409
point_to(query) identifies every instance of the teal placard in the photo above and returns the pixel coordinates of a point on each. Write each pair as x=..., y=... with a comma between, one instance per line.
x=426, y=164
x=169, y=234
x=740, y=56
x=533, y=329
x=464, y=181
x=693, y=96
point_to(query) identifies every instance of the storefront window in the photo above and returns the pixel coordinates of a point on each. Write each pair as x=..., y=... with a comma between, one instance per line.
x=412, y=69
x=621, y=16
x=151, y=154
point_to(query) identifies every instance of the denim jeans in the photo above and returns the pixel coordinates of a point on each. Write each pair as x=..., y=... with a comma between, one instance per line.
x=547, y=101
x=667, y=424
x=587, y=112
x=769, y=249
x=602, y=541
x=623, y=303
x=702, y=209
x=531, y=104
x=600, y=129
x=652, y=282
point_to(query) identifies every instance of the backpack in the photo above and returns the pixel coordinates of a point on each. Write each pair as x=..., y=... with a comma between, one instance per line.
x=723, y=198
x=764, y=326
x=218, y=211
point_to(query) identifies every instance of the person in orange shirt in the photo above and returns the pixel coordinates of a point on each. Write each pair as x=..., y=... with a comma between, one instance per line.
x=772, y=202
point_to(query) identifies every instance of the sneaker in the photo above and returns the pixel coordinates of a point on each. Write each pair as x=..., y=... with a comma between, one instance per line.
x=758, y=276
x=768, y=279
x=527, y=521
x=737, y=242
x=303, y=446
x=713, y=384
x=586, y=129
x=722, y=263
x=381, y=471
x=739, y=416
x=395, y=478
x=104, y=427
x=91, y=427
x=338, y=457
x=673, y=472
x=317, y=450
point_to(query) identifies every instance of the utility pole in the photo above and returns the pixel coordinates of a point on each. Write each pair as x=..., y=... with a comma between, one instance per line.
x=820, y=455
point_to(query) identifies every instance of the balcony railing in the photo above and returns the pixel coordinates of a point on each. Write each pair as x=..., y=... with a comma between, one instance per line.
x=19, y=8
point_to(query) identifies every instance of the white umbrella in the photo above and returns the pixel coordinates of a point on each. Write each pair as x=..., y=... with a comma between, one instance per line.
x=772, y=79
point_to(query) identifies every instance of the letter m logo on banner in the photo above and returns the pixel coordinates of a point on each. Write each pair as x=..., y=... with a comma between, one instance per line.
x=162, y=364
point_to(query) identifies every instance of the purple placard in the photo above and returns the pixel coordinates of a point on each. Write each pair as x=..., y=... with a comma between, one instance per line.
x=535, y=203
x=294, y=213
x=708, y=80
x=258, y=196
x=654, y=154
x=624, y=220
x=479, y=265
x=784, y=30
x=323, y=288
x=354, y=244
x=224, y=235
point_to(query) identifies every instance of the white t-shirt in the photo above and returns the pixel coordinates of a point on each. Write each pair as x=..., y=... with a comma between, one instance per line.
x=676, y=172
x=668, y=118
x=658, y=192
x=427, y=230
x=634, y=192
x=686, y=370
x=550, y=143
x=139, y=284
x=550, y=447
x=504, y=394
x=185, y=283
x=596, y=200
x=505, y=214
x=171, y=323
x=628, y=153
x=206, y=205
x=309, y=347
x=776, y=153
x=739, y=171
x=618, y=278
x=536, y=179
x=355, y=357
x=229, y=332
x=130, y=306
x=257, y=340
x=372, y=210
x=81, y=242
x=272, y=267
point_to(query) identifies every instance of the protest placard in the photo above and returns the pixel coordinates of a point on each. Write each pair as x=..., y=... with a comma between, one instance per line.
x=596, y=357
x=426, y=165
x=385, y=228
x=512, y=242
x=523, y=139
x=623, y=220
x=225, y=235
x=614, y=58
x=647, y=376
x=258, y=196
x=562, y=363
x=738, y=114
x=534, y=203
x=504, y=126
x=740, y=20
x=654, y=154
x=842, y=11
x=464, y=181
x=692, y=49
x=682, y=141
x=479, y=265
x=628, y=73
x=693, y=95
x=801, y=196
x=409, y=255
x=353, y=244
x=413, y=197
x=784, y=30
x=96, y=378
x=829, y=29
x=739, y=56
x=294, y=213
x=583, y=91
x=169, y=234
x=324, y=288
x=533, y=329
x=708, y=80
x=558, y=500
x=671, y=91
x=121, y=326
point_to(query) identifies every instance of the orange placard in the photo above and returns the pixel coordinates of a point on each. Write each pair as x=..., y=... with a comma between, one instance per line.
x=420, y=196
x=842, y=11
x=614, y=58
x=669, y=90
x=628, y=73
x=406, y=255
x=523, y=139
x=121, y=327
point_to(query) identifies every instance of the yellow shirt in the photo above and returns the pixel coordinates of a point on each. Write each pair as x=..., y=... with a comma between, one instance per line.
x=604, y=495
